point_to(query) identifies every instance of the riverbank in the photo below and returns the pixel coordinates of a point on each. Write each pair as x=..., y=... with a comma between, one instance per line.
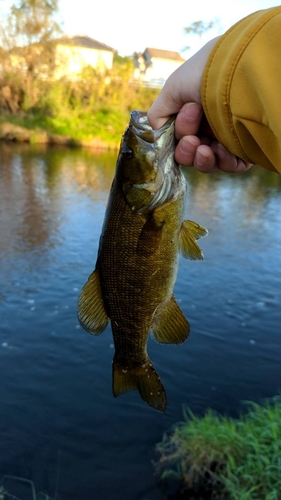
x=28, y=129
x=224, y=458
x=86, y=111
x=10, y=132
x=76, y=116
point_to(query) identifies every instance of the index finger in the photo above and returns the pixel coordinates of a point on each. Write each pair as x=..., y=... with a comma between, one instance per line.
x=188, y=120
x=161, y=110
x=170, y=100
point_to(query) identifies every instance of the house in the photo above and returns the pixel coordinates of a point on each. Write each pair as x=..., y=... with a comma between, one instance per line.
x=154, y=66
x=75, y=52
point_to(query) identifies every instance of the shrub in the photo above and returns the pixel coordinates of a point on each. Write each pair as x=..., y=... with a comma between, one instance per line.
x=235, y=459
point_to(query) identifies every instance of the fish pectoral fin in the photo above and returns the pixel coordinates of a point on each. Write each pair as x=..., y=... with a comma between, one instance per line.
x=171, y=326
x=150, y=237
x=188, y=247
x=91, y=311
x=141, y=377
x=195, y=229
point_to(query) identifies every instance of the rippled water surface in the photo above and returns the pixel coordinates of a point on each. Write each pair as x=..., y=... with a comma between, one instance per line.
x=59, y=423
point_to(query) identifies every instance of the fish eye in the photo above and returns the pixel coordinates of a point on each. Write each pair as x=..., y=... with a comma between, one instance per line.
x=127, y=153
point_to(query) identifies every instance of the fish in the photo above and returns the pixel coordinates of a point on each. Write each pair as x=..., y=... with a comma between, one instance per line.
x=143, y=233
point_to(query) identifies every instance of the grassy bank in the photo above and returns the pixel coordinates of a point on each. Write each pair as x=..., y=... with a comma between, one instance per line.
x=101, y=130
x=225, y=458
x=84, y=112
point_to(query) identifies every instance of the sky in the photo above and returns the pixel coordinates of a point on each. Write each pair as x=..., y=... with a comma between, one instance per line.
x=130, y=26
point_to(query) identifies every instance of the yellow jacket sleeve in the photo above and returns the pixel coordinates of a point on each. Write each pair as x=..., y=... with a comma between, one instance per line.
x=241, y=89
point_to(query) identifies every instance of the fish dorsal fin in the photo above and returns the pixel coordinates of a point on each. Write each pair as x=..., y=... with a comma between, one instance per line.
x=91, y=310
x=171, y=326
x=190, y=232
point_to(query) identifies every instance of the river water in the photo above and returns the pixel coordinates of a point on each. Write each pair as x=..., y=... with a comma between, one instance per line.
x=59, y=422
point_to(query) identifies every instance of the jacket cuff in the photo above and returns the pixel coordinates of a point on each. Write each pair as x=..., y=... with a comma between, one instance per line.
x=230, y=102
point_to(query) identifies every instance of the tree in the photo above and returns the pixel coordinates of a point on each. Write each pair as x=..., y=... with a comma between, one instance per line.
x=27, y=36
x=33, y=21
x=199, y=28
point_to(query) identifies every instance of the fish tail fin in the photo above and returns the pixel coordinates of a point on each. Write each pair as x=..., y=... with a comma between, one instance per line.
x=141, y=377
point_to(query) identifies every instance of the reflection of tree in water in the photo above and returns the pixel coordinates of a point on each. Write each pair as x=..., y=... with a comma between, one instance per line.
x=36, y=222
x=87, y=169
x=91, y=173
x=38, y=185
x=35, y=183
x=26, y=222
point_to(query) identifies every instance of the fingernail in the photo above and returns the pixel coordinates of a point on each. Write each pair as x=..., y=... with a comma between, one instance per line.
x=192, y=111
x=201, y=159
x=190, y=140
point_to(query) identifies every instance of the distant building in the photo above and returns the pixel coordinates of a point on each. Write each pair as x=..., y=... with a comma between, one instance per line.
x=75, y=52
x=154, y=66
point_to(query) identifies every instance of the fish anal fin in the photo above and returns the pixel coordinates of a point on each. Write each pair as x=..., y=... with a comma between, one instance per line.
x=170, y=326
x=188, y=247
x=141, y=377
x=150, y=237
x=91, y=311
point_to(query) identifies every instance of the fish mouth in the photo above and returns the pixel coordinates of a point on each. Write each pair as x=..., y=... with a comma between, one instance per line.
x=167, y=179
x=162, y=139
x=142, y=129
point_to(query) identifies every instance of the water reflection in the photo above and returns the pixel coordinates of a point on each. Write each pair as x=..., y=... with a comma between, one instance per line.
x=33, y=184
x=34, y=180
x=252, y=189
x=55, y=386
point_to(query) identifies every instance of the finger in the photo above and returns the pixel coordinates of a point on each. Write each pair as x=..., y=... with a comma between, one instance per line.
x=188, y=120
x=228, y=162
x=186, y=150
x=168, y=102
x=158, y=115
x=205, y=160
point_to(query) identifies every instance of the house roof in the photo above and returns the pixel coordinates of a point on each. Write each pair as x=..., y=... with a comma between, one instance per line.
x=84, y=41
x=164, y=54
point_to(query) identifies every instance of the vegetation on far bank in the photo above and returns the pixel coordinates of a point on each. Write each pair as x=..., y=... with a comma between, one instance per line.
x=91, y=108
x=223, y=458
x=36, y=107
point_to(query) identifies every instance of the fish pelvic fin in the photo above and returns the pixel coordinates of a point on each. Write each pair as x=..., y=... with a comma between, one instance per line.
x=141, y=377
x=170, y=326
x=91, y=311
x=190, y=232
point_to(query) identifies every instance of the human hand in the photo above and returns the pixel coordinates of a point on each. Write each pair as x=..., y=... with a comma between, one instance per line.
x=197, y=144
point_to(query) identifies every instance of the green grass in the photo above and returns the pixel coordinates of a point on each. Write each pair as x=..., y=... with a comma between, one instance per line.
x=106, y=126
x=92, y=109
x=235, y=459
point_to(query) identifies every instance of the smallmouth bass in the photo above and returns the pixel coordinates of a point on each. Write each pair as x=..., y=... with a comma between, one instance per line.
x=143, y=232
